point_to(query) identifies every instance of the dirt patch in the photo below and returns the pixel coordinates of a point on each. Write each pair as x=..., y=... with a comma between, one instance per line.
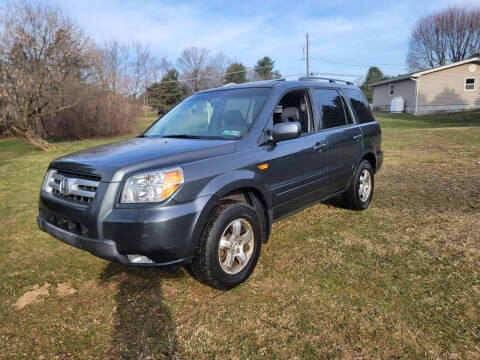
x=33, y=296
x=65, y=289
x=17, y=273
x=39, y=293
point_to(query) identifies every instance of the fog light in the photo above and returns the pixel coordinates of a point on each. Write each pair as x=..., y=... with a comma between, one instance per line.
x=139, y=259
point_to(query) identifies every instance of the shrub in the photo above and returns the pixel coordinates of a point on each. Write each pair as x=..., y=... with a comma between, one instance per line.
x=98, y=113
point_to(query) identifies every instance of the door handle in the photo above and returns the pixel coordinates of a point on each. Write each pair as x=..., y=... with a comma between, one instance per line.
x=319, y=146
x=357, y=137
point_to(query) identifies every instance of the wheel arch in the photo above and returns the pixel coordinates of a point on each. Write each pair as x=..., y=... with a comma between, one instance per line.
x=241, y=185
x=371, y=158
x=255, y=198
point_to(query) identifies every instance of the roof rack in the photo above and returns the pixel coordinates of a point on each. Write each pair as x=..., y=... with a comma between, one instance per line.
x=266, y=81
x=315, y=78
x=254, y=82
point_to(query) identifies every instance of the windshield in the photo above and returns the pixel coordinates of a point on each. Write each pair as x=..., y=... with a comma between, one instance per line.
x=225, y=114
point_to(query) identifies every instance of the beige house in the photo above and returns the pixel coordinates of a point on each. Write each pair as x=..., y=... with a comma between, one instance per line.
x=448, y=88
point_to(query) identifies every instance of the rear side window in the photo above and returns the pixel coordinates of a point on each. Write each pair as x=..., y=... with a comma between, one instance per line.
x=360, y=105
x=330, y=108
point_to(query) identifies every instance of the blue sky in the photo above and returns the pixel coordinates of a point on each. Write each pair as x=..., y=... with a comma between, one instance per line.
x=355, y=33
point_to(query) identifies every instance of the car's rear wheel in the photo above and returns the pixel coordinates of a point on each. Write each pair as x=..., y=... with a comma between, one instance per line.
x=360, y=192
x=229, y=247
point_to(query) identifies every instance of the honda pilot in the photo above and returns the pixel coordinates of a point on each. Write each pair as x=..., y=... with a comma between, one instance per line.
x=202, y=185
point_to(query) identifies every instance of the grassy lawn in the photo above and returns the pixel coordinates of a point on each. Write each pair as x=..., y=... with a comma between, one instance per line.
x=400, y=280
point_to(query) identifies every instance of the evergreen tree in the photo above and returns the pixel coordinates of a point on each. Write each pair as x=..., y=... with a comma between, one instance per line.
x=264, y=69
x=374, y=74
x=164, y=95
x=236, y=73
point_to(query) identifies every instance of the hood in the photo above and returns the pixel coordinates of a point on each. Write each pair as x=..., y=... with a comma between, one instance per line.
x=112, y=161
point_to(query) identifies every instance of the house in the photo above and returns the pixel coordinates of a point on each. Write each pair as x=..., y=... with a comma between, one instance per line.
x=448, y=88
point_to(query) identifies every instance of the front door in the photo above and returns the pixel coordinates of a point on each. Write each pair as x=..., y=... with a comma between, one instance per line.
x=297, y=170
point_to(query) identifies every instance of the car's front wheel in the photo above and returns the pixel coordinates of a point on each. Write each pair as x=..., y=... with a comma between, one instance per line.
x=229, y=247
x=360, y=192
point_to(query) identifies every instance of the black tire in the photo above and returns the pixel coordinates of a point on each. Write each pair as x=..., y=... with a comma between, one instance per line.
x=351, y=197
x=205, y=266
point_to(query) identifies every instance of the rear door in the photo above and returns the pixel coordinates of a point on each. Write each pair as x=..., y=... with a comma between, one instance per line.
x=364, y=117
x=343, y=135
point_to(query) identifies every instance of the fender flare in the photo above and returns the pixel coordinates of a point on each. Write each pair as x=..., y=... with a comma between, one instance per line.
x=228, y=182
x=221, y=186
x=367, y=149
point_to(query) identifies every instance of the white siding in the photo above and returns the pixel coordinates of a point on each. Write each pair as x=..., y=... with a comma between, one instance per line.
x=403, y=88
x=443, y=91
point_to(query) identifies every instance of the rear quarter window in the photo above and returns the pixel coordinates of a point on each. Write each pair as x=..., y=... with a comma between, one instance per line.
x=360, y=105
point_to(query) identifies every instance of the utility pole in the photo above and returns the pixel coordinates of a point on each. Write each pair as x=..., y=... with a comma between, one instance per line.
x=308, y=58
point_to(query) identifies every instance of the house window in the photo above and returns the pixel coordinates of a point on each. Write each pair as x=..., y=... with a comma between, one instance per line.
x=470, y=84
x=392, y=89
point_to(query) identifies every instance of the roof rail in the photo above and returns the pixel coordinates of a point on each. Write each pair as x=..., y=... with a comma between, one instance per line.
x=315, y=78
x=266, y=81
x=254, y=82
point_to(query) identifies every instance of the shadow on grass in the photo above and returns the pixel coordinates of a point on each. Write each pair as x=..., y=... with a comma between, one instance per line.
x=142, y=326
x=335, y=201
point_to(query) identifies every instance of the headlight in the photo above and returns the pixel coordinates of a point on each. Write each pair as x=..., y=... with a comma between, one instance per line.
x=151, y=186
x=46, y=181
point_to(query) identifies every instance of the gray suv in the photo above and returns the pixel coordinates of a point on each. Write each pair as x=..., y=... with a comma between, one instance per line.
x=202, y=186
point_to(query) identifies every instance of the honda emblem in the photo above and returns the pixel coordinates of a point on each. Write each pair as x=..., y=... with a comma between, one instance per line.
x=65, y=187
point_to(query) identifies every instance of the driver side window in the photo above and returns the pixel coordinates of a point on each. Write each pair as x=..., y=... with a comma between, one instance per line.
x=294, y=107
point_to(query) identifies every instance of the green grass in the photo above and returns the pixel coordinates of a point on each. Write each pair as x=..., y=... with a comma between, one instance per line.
x=146, y=120
x=400, y=280
x=407, y=121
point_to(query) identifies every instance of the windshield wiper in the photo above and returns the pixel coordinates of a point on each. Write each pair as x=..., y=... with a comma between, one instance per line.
x=183, y=136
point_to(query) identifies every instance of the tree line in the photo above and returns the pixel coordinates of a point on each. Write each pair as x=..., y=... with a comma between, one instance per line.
x=200, y=71
x=56, y=82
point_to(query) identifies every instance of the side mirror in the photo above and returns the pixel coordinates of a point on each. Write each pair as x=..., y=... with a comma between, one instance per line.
x=286, y=131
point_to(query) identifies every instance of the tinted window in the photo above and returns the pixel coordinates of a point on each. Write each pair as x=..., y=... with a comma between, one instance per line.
x=360, y=106
x=330, y=108
x=347, y=112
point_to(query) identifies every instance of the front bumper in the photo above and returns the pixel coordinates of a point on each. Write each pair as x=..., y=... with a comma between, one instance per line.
x=105, y=249
x=165, y=234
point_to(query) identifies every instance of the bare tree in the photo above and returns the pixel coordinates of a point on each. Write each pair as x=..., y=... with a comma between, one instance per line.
x=193, y=62
x=160, y=69
x=215, y=70
x=126, y=69
x=111, y=67
x=444, y=37
x=141, y=67
x=41, y=52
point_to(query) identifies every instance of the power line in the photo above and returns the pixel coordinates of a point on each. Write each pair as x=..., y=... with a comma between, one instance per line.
x=244, y=71
x=329, y=74
x=362, y=65
x=215, y=75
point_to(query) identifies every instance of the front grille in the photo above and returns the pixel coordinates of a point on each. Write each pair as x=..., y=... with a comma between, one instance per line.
x=73, y=186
